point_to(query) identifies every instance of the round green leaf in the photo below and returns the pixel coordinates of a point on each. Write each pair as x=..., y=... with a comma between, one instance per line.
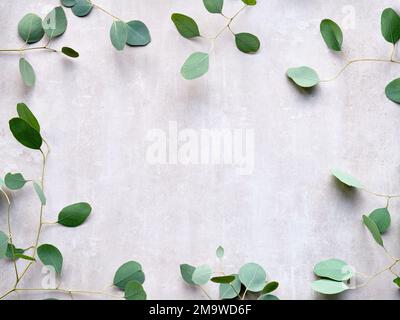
x=390, y=25
x=393, y=90
x=70, y=52
x=25, y=134
x=26, y=114
x=119, y=34
x=247, y=42
x=346, y=179
x=13, y=252
x=55, y=23
x=397, y=281
x=231, y=290
x=220, y=252
x=186, y=26
x=40, y=193
x=202, y=275
x=253, y=277
x=14, y=181
x=30, y=28
x=332, y=34
x=187, y=273
x=68, y=3
x=373, y=228
x=250, y=2
x=382, y=219
x=50, y=256
x=329, y=286
x=214, y=6
x=138, y=33
x=134, y=291
x=269, y=297
x=74, y=215
x=270, y=287
x=3, y=244
x=224, y=279
x=82, y=8
x=27, y=72
x=129, y=271
x=304, y=77
x=334, y=269
x=195, y=66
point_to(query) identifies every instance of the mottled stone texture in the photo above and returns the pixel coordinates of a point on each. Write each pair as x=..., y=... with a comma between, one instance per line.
x=287, y=215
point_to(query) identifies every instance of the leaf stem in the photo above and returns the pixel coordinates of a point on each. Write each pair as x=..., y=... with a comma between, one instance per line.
x=205, y=292
x=29, y=49
x=104, y=10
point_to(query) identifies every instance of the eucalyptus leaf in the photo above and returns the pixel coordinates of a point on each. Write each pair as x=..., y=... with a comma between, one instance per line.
x=390, y=25
x=397, y=281
x=214, y=6
x=220, y=252
x=329, y=286
x=247, y=42
x=382, y=219
x=50, y=256
x=82, y=8
x=138, y=34
x=231, y=290
x=24, y=257
x=202, y=275
x=270, y=287
x=68, y=3
x=14, y=181
x=74, y=215
x=346, y=179
x=250, y=2
x=30, y=28
x=332, y=34
x=185, y=25
x=269, y=297
x=224, y=279
x=3, y=244
x=55, y=23
x=40, y=193
x=119, y=34
x=373, y=228
x=134, y=291
x=253, y=277
x=304, y=77
x=12, y=252
x=195, y=66
x=25, y=134
x=392, y=91
x=26, y=114
x=187, y=273
x=334, y=269
x=129, y=271
x=70, y=52
x=27, y=72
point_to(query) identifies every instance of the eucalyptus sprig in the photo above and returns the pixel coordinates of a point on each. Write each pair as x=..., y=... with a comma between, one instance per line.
x=306, y=77
x=129, y=277
x=251, y=278
x=335, y=274
x=32, y=29
x=197, y=64
x=133, y=33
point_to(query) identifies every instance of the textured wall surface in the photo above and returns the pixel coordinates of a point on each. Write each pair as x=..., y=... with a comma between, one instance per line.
x=288, y=214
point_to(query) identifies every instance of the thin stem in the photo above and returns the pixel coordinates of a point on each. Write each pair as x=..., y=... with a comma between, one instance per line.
x=68, y=291
x=7, y=293
x=388, y=196
x=29, y=49
x=244, y=294
x=205, y=292
x=104, y=10
x=389, y=268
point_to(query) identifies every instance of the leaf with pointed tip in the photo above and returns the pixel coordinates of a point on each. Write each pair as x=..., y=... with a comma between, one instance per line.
x=14, y=181
x=26, y=114
x=270, y=287
x=247, y=42
x=129, y=271
x=82, y=8
x=304, y=77
x=3, y=244
x=224, y=279
x=40, y=193
x=55, y=23
x=70, y=52
x=27, y=72
x=30, y=28
x=329, y=286
x=214, y=6
x=185, y=25
x=390, y=25
x=50, y=256
x=187, y=273
x=74, y=215
x=332, y=34
x=138, y=34
x=119, y=34
x=12, y=252
x=25, y=134
x=220, y=252
x=134, y=291
x=346, y=179
x=195, y=66
x=373, y=228
x=24, y=257
x=382, y=219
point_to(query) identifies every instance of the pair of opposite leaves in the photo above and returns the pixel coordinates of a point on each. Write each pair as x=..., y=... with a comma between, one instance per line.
x=332, y=34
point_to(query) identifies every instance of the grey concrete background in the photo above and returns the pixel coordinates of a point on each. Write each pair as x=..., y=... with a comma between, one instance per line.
x=288, y=215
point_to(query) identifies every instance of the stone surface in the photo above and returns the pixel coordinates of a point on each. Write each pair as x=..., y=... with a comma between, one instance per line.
x=97, y=111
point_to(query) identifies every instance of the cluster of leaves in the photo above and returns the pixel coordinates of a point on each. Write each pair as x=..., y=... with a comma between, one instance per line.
x=251, y=278
x=335, y=273
x=26, y=130
x=197, y=64
x=32, y=29
x=133, y=33
x=306, y=77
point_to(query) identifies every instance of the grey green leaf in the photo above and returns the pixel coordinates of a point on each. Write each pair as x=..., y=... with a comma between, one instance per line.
x=346, y=179
x=202, y=275
x=82, y=8
x=269, y=297
x=253, y=277
x=30, y=28
x=129, y=271
x=392, y=91
x=55, y=23
x=187, y=273
x=195, y=66
x=138, y=34
x=220, y=252
x=40, y=193
x=329, y=286
x=304, y=77
x=334, y=269
x=119, y=34
x=68, y=3
x=14, y=181
x=382, y=219
x=50, y=256
x=27, y=72
x=214, y=6
x=3, y=244
x=373, y=228
x=231, y=290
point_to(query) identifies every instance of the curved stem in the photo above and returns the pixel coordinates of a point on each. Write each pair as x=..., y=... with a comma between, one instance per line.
x=104, y=10
x=389, y=268
x=68, y=291
x=205, y=292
